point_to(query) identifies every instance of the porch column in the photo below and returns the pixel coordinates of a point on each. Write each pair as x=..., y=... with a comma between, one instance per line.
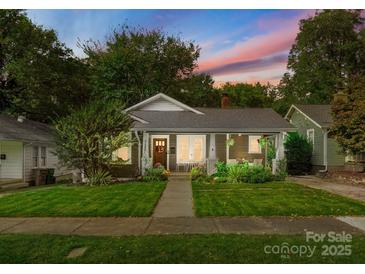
x=145, y=152
x=212, y=156
x=212, y=152
x=279, y=146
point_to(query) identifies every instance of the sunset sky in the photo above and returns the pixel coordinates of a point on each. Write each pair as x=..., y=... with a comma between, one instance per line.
x=237, y=45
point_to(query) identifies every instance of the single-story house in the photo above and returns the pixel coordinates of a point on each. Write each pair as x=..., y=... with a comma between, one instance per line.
x=314, y=122
x=25, y=145
x=178, y=136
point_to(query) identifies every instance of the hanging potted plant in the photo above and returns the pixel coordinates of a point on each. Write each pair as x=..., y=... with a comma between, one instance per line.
x=230, y=142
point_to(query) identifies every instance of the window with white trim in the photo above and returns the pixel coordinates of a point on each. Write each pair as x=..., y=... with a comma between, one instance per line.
x=35, y=156
x=190, y=148
x=124, y=153
x=43, y=156
x=310, y=136
x=254, y=144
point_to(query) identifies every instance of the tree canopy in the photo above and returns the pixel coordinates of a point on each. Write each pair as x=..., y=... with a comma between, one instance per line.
x=328, y=51
x=249, y=95
x=136, y=63
x=39, y=76
x=348, y=111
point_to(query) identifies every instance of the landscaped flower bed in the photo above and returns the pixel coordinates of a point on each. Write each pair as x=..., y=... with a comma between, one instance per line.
x=239, y=173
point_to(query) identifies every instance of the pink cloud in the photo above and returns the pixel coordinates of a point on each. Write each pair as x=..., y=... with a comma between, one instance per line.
x=258, y=47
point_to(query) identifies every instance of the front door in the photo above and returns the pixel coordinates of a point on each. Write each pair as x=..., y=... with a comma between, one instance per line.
x=160, y=151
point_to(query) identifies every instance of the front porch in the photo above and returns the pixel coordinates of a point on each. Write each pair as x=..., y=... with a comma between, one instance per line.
x=179, y=152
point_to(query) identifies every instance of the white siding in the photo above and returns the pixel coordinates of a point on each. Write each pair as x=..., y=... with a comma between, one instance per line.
x=162, y=105
x=51, y=161
x=12, y=166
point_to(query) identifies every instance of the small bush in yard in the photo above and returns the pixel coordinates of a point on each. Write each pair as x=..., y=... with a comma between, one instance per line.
x=298, y=153
x=281, y=171
x=257, y=174
x=197, y=173
x=98, y=178
x=243, y=173
x=236, y=173
x=155, y=174
x=222, y=169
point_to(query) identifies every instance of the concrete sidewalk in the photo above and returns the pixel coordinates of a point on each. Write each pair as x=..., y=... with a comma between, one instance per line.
x=350, y=191
x=110, y=226
x=177, y=198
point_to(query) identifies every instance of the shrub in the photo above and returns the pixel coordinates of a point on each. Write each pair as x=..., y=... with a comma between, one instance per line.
x=236, y=173
x=98, y=178
x=197, y=173
x=155, y=174
x=281, y=171
x=87, y=138
x=222, y=169
x=298, y=152
x=257, y=174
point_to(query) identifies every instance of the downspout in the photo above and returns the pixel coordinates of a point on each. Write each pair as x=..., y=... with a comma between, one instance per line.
x=23, y=162
x=139, y=151
x=325, y=151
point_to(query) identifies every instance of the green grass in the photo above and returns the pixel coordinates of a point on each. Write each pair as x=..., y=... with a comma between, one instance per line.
x=270, y=199
x=129, y=199
x=166, y=249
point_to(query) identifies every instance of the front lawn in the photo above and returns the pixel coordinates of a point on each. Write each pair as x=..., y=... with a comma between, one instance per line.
x=172, y=249
x=129, y=199
x=270, y=199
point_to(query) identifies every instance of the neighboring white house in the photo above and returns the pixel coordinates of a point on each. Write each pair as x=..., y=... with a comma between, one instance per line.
x=26, y=145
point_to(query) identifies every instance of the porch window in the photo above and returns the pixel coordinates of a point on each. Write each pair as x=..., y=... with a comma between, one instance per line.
x=254, y=144
x=124, y=153
x=190, y=148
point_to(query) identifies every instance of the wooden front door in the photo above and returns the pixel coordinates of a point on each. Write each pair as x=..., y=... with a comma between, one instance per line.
x=160, y=151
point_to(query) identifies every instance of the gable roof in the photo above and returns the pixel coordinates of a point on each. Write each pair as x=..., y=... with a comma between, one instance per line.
x=11, y=129
x=318, y=114
x=163, y=97
x=214, y=120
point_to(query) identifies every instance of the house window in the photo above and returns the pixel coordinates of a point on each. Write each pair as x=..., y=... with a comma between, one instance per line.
x=310, y=136
x=123, y=153
x=35, y=156
x=254, y=144
x=190, y=148
x=43, y=156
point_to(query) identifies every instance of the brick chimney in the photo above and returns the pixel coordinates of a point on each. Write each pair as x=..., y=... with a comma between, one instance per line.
x=225, y=101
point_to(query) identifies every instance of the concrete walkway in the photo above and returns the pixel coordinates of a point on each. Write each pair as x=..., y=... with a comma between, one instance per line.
x=351, y=191
x=183, y=225
x=177, y=199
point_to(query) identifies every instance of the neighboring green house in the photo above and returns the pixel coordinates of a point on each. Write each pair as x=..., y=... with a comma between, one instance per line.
x=313, y=121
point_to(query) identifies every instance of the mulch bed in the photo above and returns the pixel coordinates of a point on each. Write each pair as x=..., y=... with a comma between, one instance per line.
x=355, y=178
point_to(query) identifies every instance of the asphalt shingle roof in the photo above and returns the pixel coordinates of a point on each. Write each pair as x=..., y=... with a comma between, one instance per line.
x=213, y=120
x=11, y=129
x=319, y=113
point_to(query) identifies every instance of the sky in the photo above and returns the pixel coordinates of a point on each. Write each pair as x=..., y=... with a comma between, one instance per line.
x=236, y=45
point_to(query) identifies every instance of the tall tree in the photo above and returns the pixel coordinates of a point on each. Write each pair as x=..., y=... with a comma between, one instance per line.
x=39, y=76
x=348, y=111
x=136, y=63
x=328, y=50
